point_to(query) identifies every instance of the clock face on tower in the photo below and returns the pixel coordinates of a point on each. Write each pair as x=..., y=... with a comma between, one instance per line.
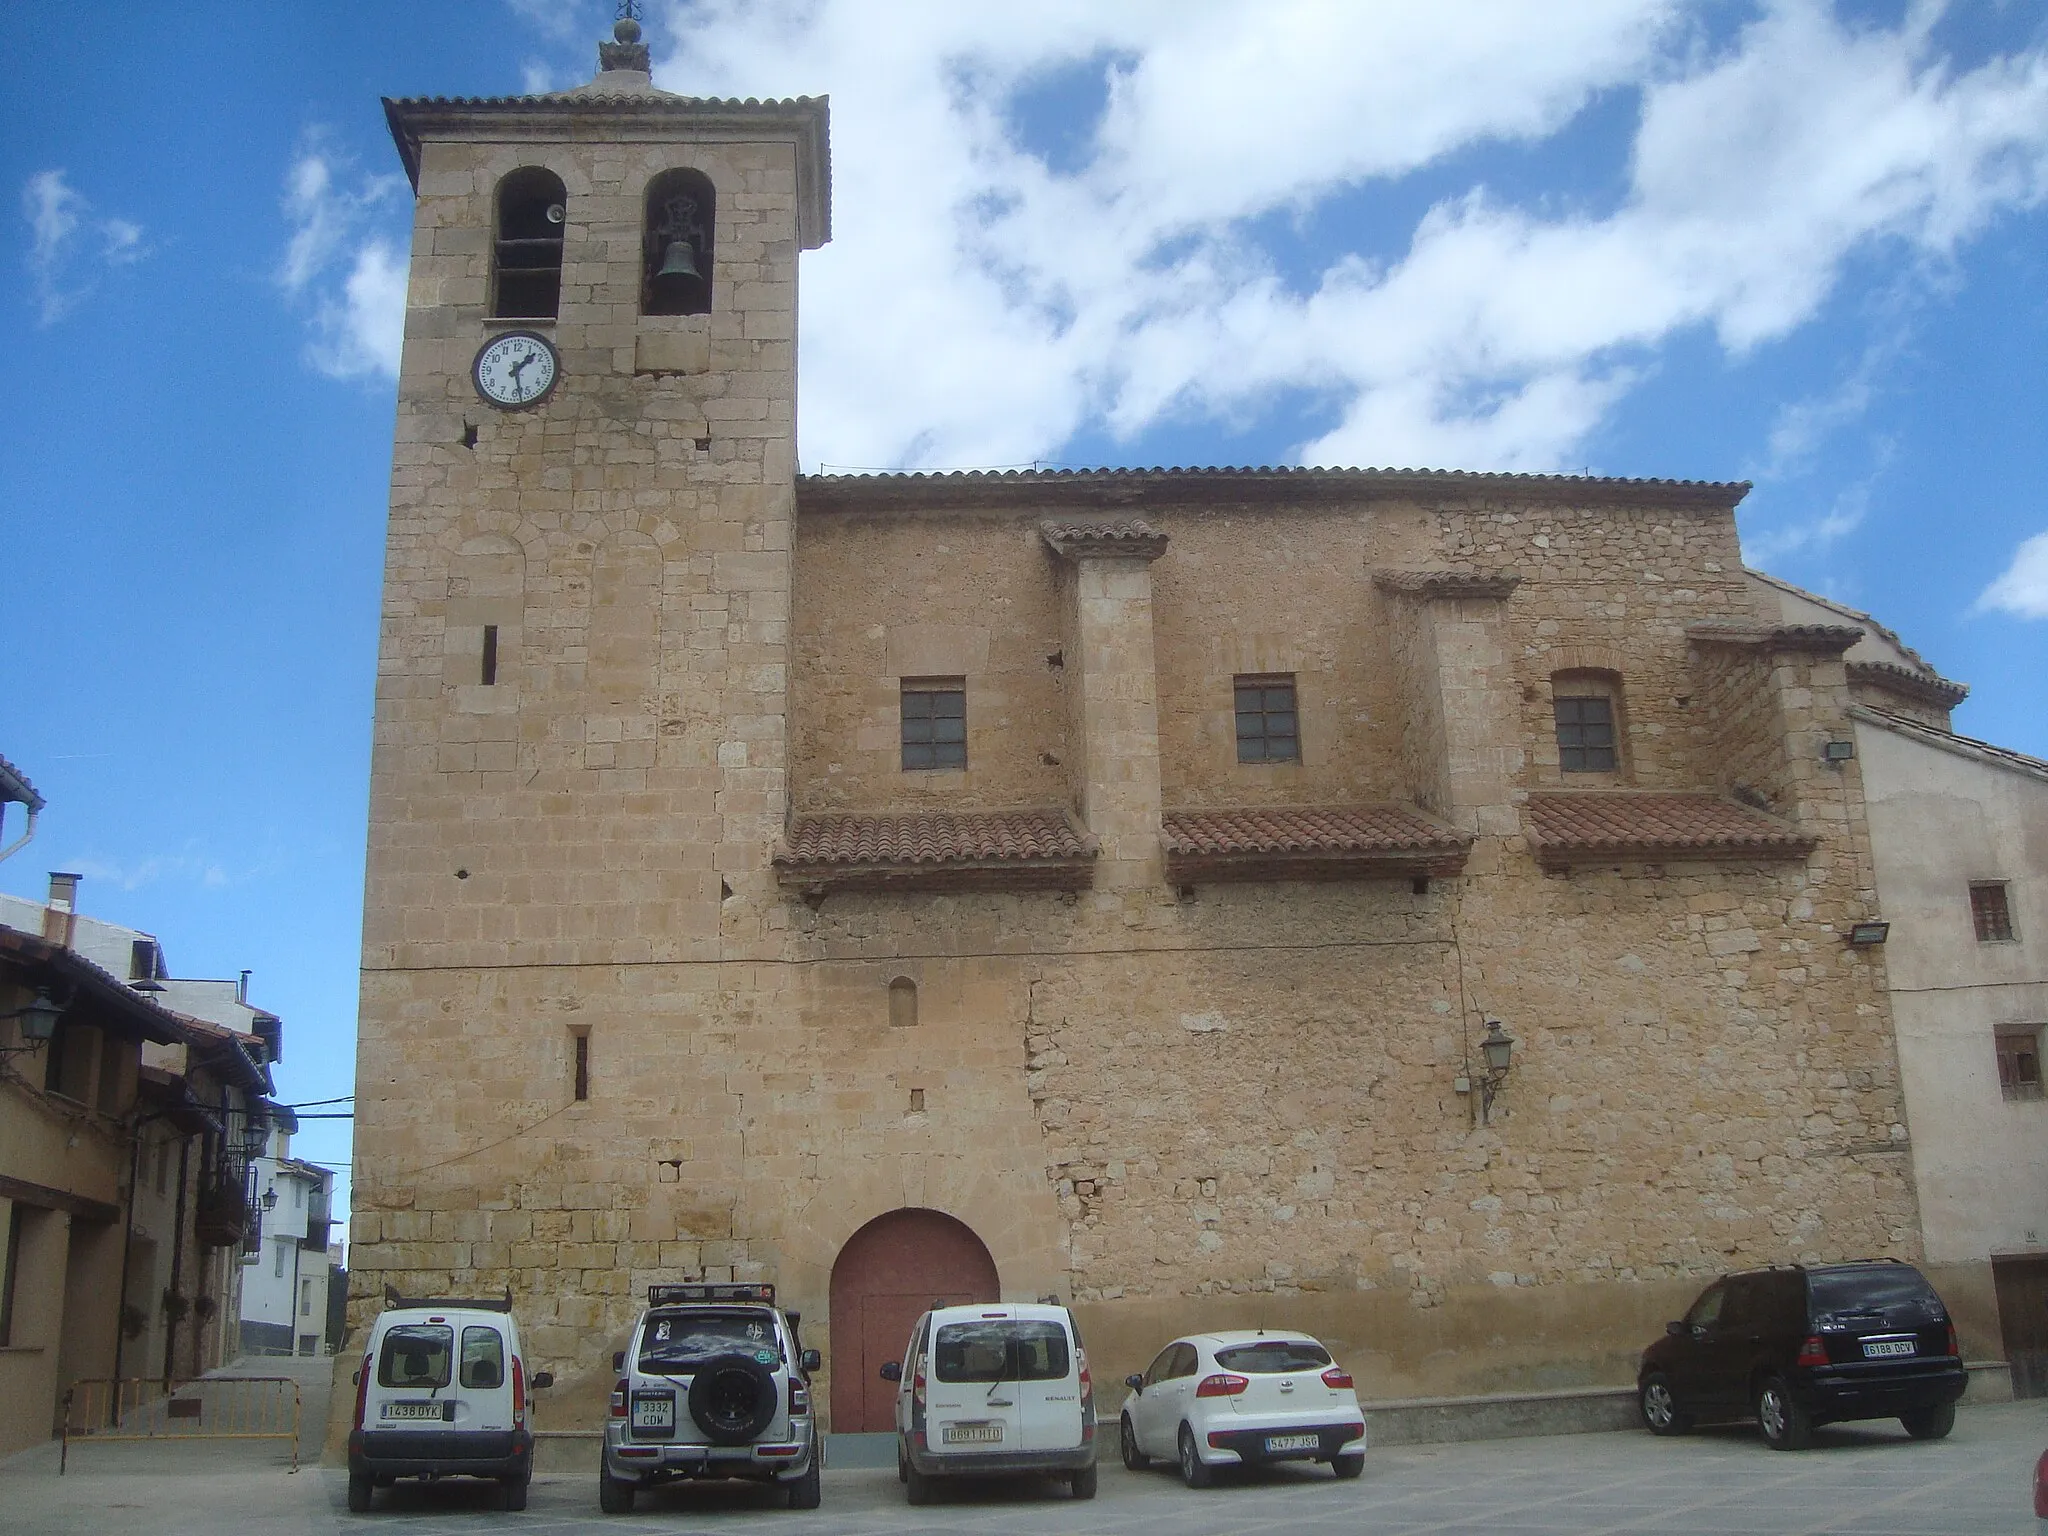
x=516, y=369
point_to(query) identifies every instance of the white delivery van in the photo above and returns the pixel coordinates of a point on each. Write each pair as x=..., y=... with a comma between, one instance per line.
x=986, y=1390
x=442, y=1392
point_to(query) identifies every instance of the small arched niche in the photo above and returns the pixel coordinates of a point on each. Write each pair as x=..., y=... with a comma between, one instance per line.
x=676, y=249
x=526, y=258
x=902, y=1003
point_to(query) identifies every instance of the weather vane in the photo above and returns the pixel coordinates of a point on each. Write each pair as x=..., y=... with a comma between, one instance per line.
x=629, y=10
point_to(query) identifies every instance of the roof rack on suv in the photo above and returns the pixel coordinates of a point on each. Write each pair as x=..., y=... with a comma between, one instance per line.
x=476, y=1303
x=671, y=1295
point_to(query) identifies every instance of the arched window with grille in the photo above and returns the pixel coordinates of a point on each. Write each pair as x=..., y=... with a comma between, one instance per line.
x=526, y=256
x=676, y=248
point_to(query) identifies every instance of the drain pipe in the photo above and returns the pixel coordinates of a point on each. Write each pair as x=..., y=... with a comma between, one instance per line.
x=15, y=787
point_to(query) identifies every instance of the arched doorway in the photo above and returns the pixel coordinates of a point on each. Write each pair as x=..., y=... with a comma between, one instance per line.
x=888, y=1273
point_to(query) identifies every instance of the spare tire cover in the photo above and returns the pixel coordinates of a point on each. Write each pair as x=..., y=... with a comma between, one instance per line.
x=733, y=1398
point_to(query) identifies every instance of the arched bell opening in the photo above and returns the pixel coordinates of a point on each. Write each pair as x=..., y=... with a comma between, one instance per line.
x=887, y=1275
x=676, y=248
x=526, y=257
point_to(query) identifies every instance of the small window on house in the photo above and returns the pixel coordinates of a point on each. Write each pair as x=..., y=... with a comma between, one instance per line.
x=2019, y=1062
x=934, y=722
x=489, y=674
x=676, y=247
x=1268, y=725
x=305, y=1298
x=277, y=1268
x=1585, y=728
x=144, y=962
x=902, y=1003
x=581, y=1046
x=1990, y=913
x=526, y=259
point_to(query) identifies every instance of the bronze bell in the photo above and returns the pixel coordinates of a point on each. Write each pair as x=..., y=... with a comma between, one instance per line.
x=679, y=261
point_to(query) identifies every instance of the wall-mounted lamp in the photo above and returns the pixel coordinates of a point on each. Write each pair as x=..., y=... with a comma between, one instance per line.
x=255, y=1132
x=1867, y=935
x=1497, y=1050
x=270, y=1198
x=38, y=1022
x=1837, y=751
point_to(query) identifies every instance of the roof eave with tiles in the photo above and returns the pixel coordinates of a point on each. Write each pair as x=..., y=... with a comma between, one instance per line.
x=936, y=851
x=1921, y=687
x=1575, y=827
x=1247, y=487
x=1361, y=842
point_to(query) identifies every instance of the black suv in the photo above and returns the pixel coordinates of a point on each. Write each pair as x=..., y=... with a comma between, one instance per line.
x=1805, y=1345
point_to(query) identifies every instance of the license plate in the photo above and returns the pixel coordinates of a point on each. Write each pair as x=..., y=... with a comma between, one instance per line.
x=1292, y=1443
x=1874, y=1349
x=412, y=1410
x=973, y=1434
x=654, y=1413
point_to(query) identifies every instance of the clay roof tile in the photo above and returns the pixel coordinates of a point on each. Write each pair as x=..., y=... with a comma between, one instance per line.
x=1581, y=825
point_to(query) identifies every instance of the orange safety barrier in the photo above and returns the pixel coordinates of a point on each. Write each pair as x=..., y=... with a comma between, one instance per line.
x=207, y=1408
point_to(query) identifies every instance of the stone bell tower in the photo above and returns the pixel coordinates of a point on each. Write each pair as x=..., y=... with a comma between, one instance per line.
x=579, y=764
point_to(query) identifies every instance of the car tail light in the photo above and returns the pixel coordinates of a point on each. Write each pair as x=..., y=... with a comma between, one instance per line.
x=1337, y=1376
x=1087, y=1385
x=619, y=1399
x=1812, y=1352
x=799, y=1398
x=362, y=1391
x=1953, y=1347
x=518, y=1393
x=2041, y=1486
x=917, y=1388
x=1221, y=1385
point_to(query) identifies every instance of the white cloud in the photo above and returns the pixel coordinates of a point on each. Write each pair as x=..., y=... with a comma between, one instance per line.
x=2023, y=589
x=562, y=20
x=188, y=869
x=61, y=273
x=977, y=306
x=343, y=263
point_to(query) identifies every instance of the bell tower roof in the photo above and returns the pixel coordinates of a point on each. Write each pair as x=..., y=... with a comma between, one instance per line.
x=622, y=102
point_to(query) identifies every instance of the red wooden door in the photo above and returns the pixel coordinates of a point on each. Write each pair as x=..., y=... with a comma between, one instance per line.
x=888, y=1273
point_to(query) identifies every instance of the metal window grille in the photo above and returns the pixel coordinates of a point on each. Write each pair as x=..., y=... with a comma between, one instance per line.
x=935, y=724
x=1585, y=735
x=1990, y=913
x=1268, y=724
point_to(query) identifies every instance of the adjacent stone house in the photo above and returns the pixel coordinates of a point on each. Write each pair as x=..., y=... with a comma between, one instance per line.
x=1092, y=884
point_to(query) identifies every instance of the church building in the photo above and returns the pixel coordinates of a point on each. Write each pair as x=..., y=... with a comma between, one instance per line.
x=1420, y=907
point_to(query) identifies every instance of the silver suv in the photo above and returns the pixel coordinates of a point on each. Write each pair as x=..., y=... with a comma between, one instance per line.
x=712, y=1383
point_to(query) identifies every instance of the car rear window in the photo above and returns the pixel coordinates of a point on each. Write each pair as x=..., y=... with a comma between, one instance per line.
x=1001, y=1349
x=483, y=1358
x=685, y=1338
x=1270, y=1356
x=416, y=1355
x=1897, y=1291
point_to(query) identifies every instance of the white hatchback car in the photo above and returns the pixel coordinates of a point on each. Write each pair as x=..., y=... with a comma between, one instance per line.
x=1229, y=1399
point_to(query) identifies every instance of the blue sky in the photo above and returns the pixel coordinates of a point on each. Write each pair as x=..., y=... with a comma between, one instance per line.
x=1795, y=242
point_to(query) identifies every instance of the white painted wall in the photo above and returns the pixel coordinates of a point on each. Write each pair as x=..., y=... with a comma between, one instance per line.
x=1940, y=819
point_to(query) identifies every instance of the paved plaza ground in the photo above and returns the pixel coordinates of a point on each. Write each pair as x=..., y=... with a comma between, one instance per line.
x=1870, y=1480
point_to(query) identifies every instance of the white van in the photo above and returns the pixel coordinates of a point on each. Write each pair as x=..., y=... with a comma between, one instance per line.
x=442, y=1392
x=994, y=1389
